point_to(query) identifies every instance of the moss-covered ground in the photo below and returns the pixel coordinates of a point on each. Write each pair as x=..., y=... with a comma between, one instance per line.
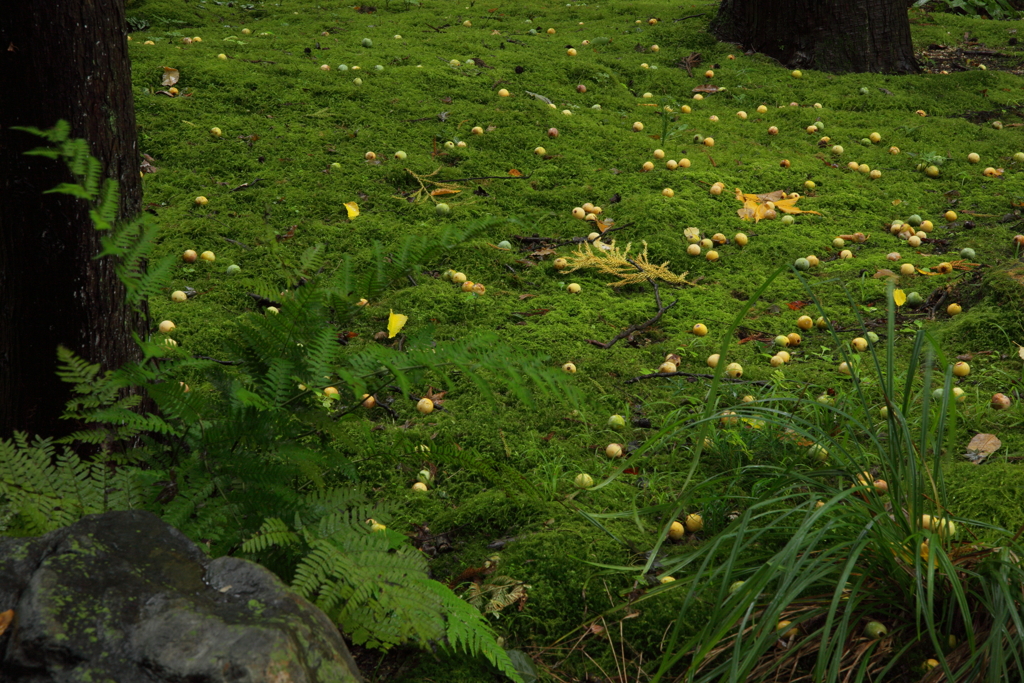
x=297, y=135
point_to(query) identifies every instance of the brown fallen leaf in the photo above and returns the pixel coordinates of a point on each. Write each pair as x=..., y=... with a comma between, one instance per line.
x=984, y=443
x=1020, y=350
x=170, y=76
x=442, y=191
x=982, y=446
x=884, y=272
x=5, y=620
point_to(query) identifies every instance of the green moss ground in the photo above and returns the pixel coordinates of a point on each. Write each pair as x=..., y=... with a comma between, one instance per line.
x=285, y=121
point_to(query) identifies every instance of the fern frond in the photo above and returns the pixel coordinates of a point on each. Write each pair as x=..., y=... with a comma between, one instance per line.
x=93, y=172
x=467, y=630
x=59, y=132
x=273, y=532
x=47, y=489
x=71, y=368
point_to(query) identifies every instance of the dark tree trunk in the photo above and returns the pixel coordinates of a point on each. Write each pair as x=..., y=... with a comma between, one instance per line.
x=838, y=36
x=60, y=59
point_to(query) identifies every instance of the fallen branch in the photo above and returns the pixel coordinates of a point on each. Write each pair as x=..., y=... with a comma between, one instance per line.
x=560, y=241
x=647, y=323
x=491, y=177
x=222, y=362
x=263, y=301
x=244, y=186
x=935, y=307
x=693, y=376
x=236, y=243
x=633, y=328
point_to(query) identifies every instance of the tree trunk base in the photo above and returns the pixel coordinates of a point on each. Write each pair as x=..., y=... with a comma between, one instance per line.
x=60, y=60
x=838, y=36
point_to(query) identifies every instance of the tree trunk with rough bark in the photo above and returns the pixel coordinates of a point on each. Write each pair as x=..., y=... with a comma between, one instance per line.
x=838, y=36
x=60, y=59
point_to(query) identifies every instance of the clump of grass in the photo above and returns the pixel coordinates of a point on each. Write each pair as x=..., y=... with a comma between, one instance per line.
x=871, y=539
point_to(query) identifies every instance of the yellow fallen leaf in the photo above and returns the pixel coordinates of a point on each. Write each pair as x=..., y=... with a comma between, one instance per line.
x=755, y=206
x=396, y=321
x=353, y=209
x=789, y=206
x=759, y=198
x=898, y=297
x=444, y=190
x=752, y=211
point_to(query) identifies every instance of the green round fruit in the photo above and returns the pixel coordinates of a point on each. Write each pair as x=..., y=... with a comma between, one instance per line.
x=442, y=209
x=864, y=91
x=342, y=67
x=378, y=68
x=233, y=270
x=819, y=125
x=801, y=264
x=367, y=42
x=915, y=220
x=335, y=166
x=872, y=337
x=817, y=452
x=617, y=422
x=915, y=299
x=967, y=253
x=866, y=142
x=532, y=31
x=788, y=220
x=583, y=481
x=875, y=630
x=504, y=244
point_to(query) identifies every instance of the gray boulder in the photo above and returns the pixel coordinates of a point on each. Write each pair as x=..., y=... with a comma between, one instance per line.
x=124, y=597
